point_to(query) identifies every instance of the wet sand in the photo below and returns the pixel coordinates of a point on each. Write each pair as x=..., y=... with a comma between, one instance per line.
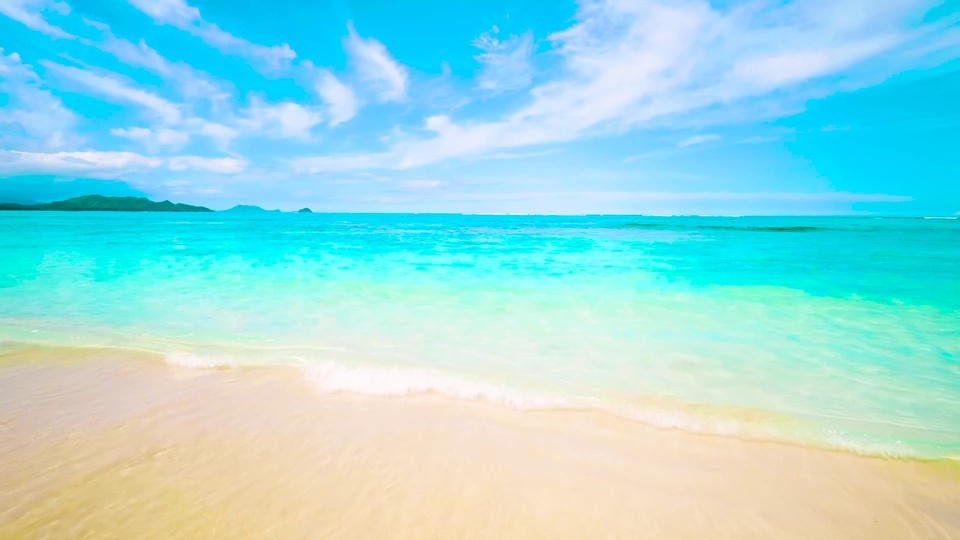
x=115, y=444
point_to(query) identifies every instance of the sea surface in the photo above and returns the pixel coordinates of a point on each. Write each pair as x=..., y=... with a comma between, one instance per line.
x=837, y=332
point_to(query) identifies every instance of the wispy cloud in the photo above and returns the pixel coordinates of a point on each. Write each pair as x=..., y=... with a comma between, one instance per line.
x=420, y=183
x=76, y=162
x=181, y=15
x=113, y=87
x=341, y=163
x=32, y=108
x=191, y=83
x=341, y=102
x=504, y=64
x=698, y=139
x=631, y=64
x=377, y=67
x=154, y=139
x=215, y=165
x=112, y=163
x=30, y=13
x=174, y=124
x=284, y=120
x=675, y=75
x=758, y=140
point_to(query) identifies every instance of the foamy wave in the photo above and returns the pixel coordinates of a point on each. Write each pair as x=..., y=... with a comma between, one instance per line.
x=331, y=378
x=196, y=361
x=667, y=419
x=399, y=382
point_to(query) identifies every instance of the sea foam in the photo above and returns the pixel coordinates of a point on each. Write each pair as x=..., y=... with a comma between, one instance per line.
x=198, y=361
x=392, y=381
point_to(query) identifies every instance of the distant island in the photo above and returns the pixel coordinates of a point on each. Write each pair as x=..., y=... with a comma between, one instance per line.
x=304, y=211
x=101, y=203
x=248, y=209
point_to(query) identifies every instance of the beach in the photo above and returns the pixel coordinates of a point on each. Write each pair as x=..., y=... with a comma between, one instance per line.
x=599, y=269
x=111, y=443
x=451, y=376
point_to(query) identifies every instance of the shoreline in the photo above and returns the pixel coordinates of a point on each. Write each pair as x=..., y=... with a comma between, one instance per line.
x=100, y=443
x=744, y=424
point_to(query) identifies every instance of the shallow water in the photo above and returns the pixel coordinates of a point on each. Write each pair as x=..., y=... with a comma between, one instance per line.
x=831, y=331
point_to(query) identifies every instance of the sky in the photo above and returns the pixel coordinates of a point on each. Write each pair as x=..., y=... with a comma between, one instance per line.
x=522, y=106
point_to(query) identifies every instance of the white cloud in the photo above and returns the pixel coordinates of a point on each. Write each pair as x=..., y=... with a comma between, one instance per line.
x=377, y=67
x=698, y=139
x=341, y=163
x=285, y=119
x=191, y=83
x=631, y=64
x=154, y=139
x=341, y=102
x=505, y=64
x=37, y=112
x=175, y=127
x=215, y=165
x=174, y=12
x=30, y=14
x=272, y=58
x=784, y=68
x=181, y=15
x=76, y=162
x=113, y=87
x=95, y=24
x=419, y=183
x=759, y=139
x=161, y=137
x=111, y=164
x=222, y=135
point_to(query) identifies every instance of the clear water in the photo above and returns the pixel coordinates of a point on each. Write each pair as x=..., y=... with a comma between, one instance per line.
x=833, y=331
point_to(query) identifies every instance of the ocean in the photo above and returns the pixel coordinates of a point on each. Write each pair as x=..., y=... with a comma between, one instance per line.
x=837, y=332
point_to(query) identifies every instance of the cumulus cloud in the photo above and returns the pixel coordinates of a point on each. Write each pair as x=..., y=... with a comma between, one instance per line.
x=30, y=13
x=504, y=64
x=377, y=67
x=181, y=15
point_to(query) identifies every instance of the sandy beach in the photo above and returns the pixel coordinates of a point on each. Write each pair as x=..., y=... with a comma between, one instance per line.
x=101, y=443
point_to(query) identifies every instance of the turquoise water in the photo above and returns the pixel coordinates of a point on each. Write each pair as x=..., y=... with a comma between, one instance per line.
x=842, y=332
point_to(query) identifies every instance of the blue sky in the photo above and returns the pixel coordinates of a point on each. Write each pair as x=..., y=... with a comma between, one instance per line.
x=609, y=106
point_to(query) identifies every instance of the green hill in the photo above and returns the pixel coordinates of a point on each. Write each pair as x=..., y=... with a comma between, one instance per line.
x=101, y=203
